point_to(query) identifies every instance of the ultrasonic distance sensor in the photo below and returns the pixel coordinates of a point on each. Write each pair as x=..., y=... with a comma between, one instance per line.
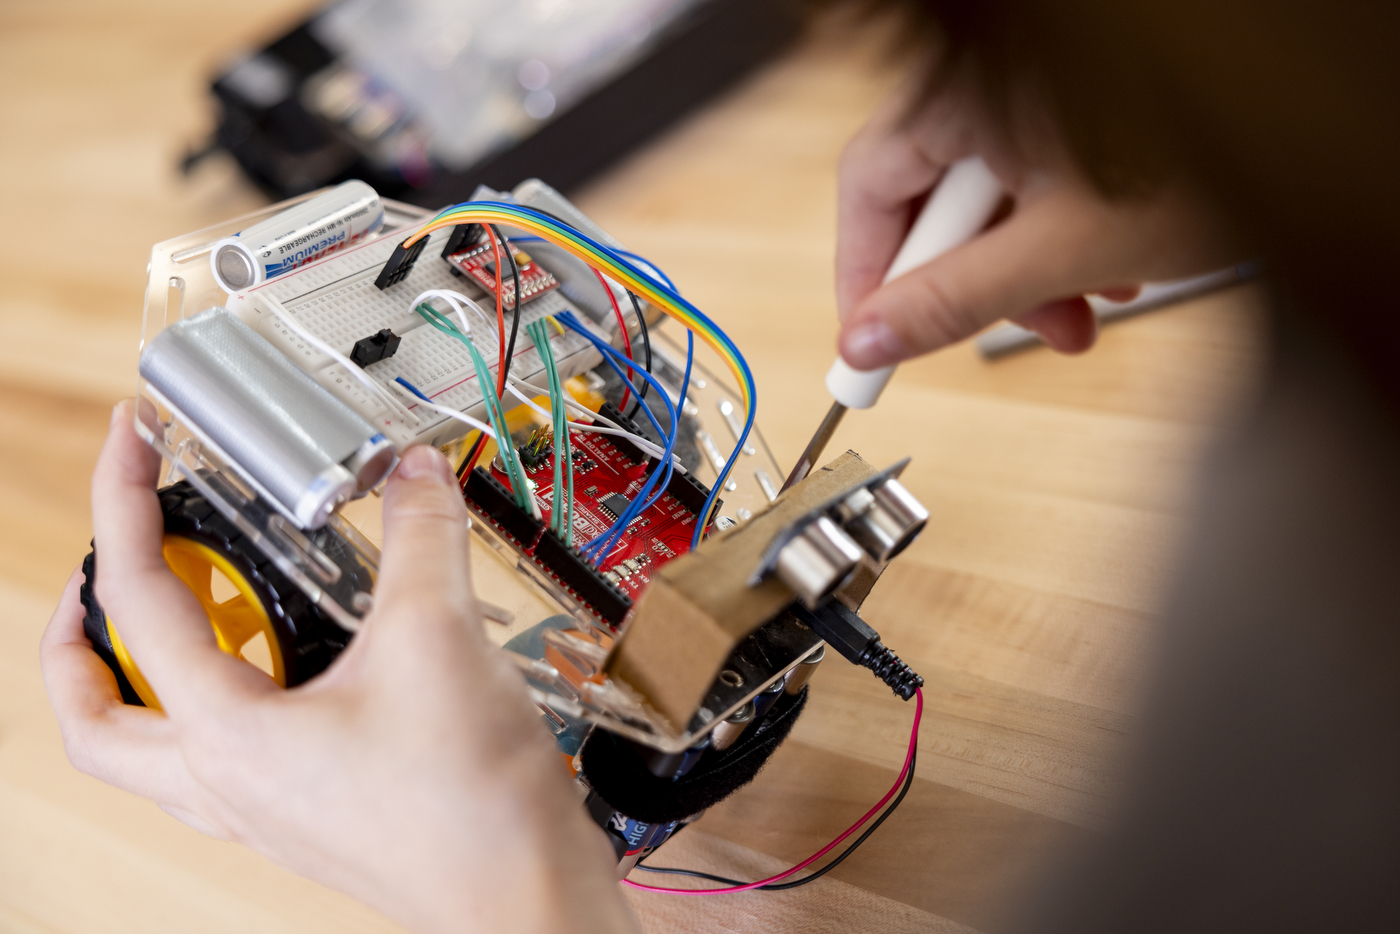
x=884, y=519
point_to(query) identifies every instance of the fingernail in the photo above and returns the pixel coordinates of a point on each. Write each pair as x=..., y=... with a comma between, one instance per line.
x=421, y=462
x=873, y=345
x=116, y=414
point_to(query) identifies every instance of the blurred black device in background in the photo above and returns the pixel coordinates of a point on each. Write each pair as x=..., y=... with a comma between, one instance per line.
x=365, y=90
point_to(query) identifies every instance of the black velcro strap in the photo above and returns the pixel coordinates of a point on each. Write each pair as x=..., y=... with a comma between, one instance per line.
x=620, y=777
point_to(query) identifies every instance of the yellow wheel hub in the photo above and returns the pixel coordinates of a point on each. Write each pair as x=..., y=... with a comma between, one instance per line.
x=238, y=618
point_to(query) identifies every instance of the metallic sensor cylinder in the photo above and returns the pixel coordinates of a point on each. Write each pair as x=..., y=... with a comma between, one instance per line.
x=347, y=213
x=884, y=519
x=817, y=560
x=280, y=428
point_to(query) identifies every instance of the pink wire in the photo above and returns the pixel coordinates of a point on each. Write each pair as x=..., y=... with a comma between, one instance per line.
x=908, y=761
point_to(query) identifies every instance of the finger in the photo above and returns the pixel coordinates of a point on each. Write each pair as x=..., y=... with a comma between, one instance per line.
x=1068, y=325
x=1122, y=293
x=1065, y=241
x=130, y=747
x=197, y=822
x=64, y=632
x=881, y=180
x=427, y=547
x=160, y=620
x=889, y=167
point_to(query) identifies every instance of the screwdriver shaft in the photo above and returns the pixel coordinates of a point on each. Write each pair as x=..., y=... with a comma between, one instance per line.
x=808, y=460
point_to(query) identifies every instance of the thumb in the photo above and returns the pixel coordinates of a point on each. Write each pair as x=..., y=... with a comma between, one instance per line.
x=426, y=539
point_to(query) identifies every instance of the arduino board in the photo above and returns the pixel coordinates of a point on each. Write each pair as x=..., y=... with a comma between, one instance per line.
x=606, y=470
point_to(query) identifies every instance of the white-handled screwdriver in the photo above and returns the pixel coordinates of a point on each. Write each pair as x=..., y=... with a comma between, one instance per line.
x=958, y=209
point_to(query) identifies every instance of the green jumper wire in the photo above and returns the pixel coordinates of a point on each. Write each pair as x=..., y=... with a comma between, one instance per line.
x=514, y=469
x=562, y=519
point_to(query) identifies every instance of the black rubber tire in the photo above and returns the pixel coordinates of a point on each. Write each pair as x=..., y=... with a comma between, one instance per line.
x=309, y=640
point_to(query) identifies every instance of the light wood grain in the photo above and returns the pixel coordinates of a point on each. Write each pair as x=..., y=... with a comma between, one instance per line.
x=1057, y=486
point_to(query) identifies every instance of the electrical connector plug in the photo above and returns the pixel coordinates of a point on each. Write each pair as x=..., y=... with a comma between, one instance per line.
x=859, y=644
x=462, y=236
x=400, y=264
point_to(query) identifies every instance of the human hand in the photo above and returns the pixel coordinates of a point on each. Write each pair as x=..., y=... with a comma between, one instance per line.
x=412, y=775
x=1061, y=240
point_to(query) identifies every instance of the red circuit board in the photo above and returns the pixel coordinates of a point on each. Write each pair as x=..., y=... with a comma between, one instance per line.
x=477, y=263
x=658, y=535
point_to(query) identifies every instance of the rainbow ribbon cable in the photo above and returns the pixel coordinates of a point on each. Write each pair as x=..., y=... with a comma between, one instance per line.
x=615, y=265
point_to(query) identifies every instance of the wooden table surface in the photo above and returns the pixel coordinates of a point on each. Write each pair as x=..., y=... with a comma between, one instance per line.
x=1057, y=489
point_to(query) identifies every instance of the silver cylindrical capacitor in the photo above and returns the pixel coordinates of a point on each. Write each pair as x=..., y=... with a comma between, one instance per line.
x=766, y=699
x=285, y=431
x=328, y=222
x=724, y=735
x=798, y=677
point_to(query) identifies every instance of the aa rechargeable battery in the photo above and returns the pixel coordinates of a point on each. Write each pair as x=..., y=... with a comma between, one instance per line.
x=347, y=213
x=279, y=427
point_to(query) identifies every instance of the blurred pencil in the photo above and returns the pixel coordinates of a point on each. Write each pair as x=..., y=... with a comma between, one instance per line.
x=1008, y=338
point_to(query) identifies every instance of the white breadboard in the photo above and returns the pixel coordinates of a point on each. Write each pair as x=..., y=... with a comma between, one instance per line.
x=337, y=302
